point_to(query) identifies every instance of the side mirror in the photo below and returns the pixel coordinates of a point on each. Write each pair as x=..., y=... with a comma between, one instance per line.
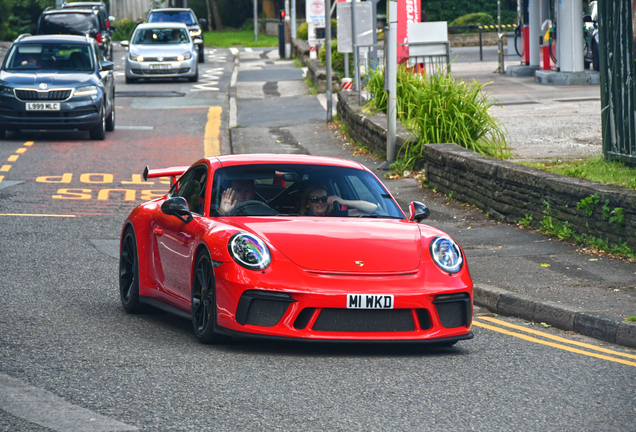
x=177, y=206
x=587, y=19
x=107, y=65
x=418, y=211
x=125, y=44
x=139, y=21
x=198, y=41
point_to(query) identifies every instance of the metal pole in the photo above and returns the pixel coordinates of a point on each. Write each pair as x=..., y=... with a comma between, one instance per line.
x=392, y=79
x=293, y=19
x=501, y=69
x=255, y=20
x=287, y=31
x=354, y=39
x=346, y=65
x=481, y=46
x=328, y=58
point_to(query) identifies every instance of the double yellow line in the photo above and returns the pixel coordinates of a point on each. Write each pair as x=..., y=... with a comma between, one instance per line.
x=5, y=168
x=559, y=345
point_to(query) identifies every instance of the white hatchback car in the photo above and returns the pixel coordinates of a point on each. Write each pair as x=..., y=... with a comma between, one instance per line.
x=161, y=50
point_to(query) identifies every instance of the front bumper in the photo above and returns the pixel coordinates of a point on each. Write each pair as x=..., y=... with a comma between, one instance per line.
x=314, y=306
x=177, y=69
x=76, y=113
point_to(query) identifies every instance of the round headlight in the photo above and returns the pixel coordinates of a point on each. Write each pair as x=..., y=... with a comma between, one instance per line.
x=140, y=58
x=446, y=254
x=249, y=251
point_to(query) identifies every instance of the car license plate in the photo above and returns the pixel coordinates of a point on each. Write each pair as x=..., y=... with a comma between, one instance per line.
x=40, y=106
x=369, y=301
x=160, y=66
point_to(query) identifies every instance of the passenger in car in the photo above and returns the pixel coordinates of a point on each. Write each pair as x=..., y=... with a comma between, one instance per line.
x=317, y=202
x=240, y=192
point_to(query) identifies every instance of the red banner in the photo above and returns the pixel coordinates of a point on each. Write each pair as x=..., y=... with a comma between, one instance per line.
x=408, y=11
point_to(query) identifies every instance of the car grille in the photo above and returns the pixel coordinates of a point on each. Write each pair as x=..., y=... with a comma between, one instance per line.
x=364, y=320
x=160, y=71
x=454, y=310
x=155, y=59
x=49, y=95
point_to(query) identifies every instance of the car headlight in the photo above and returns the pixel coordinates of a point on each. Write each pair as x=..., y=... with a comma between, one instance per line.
x=184, y=56
x=86, y=90
x=6, y=91
x=195, y=32
x=446, y=254
x=135, y=57
x=249, y=251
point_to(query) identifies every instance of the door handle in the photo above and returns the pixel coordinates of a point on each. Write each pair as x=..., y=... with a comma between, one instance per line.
x=158, y=231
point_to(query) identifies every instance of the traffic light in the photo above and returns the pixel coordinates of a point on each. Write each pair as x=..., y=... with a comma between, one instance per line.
x=281, y=15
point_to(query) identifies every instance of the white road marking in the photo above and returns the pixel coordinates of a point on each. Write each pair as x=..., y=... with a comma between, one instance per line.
x=322, y=98
x=234, y=51
x=135, y=127
x=249, y=50
x=50, y=411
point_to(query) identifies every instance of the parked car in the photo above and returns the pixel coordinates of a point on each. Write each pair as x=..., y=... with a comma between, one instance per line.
x=181, y=15
x=161, y=50
x=103, y=10
x=78, y=22
x=239, y=247
x=57, y=82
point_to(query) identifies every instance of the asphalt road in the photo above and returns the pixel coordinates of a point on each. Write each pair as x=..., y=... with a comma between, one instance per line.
x=72, y=359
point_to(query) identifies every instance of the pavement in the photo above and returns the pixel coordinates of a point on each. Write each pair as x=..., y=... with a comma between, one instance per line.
x=516, y=272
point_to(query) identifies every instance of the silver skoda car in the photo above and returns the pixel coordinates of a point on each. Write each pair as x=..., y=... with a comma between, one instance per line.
x=161, y=50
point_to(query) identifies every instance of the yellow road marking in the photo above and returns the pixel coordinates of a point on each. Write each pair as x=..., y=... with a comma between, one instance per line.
x=5, y=168
x=554, y=345
x=13, y=158
x=1, y=178
x=21, y=150
x=35, y=215
x=556, y=338
x=28, y=143
x=211, y=144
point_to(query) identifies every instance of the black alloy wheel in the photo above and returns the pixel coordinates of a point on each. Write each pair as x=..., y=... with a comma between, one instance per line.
x=202, y=54
x=195, y=78
x=203, y=301
x=129, y=273
x=99, y=131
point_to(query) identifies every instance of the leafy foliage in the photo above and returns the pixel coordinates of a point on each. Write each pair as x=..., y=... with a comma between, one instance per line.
x=474, y=18
x=444, y=10
x=124, y=29
x=587, y=204
x=20, y=16
x=439, y=109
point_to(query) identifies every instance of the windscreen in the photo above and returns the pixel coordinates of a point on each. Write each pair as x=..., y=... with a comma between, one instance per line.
x=51, y=57
x=69, y=23
x=181, y=17
x=161, y=36
x=300, y=190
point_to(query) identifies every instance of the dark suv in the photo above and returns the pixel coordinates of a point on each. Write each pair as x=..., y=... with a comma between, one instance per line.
x=78, y=22
x=57, y=82
x=103, y=11
x=181, y=15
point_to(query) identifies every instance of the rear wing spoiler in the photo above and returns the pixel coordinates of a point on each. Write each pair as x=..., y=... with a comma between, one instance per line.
x=172, y=172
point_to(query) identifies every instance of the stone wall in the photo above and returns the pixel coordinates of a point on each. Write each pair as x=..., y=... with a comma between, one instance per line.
x=505, y=190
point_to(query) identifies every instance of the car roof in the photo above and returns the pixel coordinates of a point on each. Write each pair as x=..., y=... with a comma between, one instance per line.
x=70, y=11
x=170, y=10
x=162, y=25
x=269, y=158
x=55, y=38
x=79, y=4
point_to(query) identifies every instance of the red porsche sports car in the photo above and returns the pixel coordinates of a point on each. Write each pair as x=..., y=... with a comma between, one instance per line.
x=293, y=247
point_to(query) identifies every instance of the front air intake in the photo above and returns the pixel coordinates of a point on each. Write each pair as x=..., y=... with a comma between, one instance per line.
x=454, y=310
x=262, y=308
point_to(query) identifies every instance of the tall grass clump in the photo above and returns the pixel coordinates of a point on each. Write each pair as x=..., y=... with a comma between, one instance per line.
x=439, y=109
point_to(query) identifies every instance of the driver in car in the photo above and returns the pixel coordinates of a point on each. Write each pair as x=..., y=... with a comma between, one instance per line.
x=240, y=192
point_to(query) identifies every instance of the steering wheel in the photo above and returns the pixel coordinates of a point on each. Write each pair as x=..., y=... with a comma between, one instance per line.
x=239, y=210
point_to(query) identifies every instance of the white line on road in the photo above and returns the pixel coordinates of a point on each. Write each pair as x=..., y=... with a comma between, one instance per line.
x=248, y=49
x=135, y=127
x=233, y=109
x=322, y=98
x=234, y=51
x=47, y=410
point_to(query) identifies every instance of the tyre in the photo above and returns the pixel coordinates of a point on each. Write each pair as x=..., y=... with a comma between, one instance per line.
x=596, y=57
x=204, y=301
x=110, y=121
x=130, y=80
x=99, y=131
x=195, y=78
x=202, y=54
x=129, y=274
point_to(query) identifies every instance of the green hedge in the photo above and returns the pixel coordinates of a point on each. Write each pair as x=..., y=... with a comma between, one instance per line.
x=444, y=10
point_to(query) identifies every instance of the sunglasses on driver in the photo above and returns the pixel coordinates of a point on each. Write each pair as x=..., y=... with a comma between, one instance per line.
x=315, y=199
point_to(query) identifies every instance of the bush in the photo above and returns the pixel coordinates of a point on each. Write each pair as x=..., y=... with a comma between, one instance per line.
x=440, y=109
x=337, y=58
x=124, y=29
x=302, y=32
x=474, y=18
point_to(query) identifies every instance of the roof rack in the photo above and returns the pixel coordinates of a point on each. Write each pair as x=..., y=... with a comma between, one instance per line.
x=22, y=36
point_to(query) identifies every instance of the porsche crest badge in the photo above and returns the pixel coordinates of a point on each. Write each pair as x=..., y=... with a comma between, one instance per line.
x=359, y=263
